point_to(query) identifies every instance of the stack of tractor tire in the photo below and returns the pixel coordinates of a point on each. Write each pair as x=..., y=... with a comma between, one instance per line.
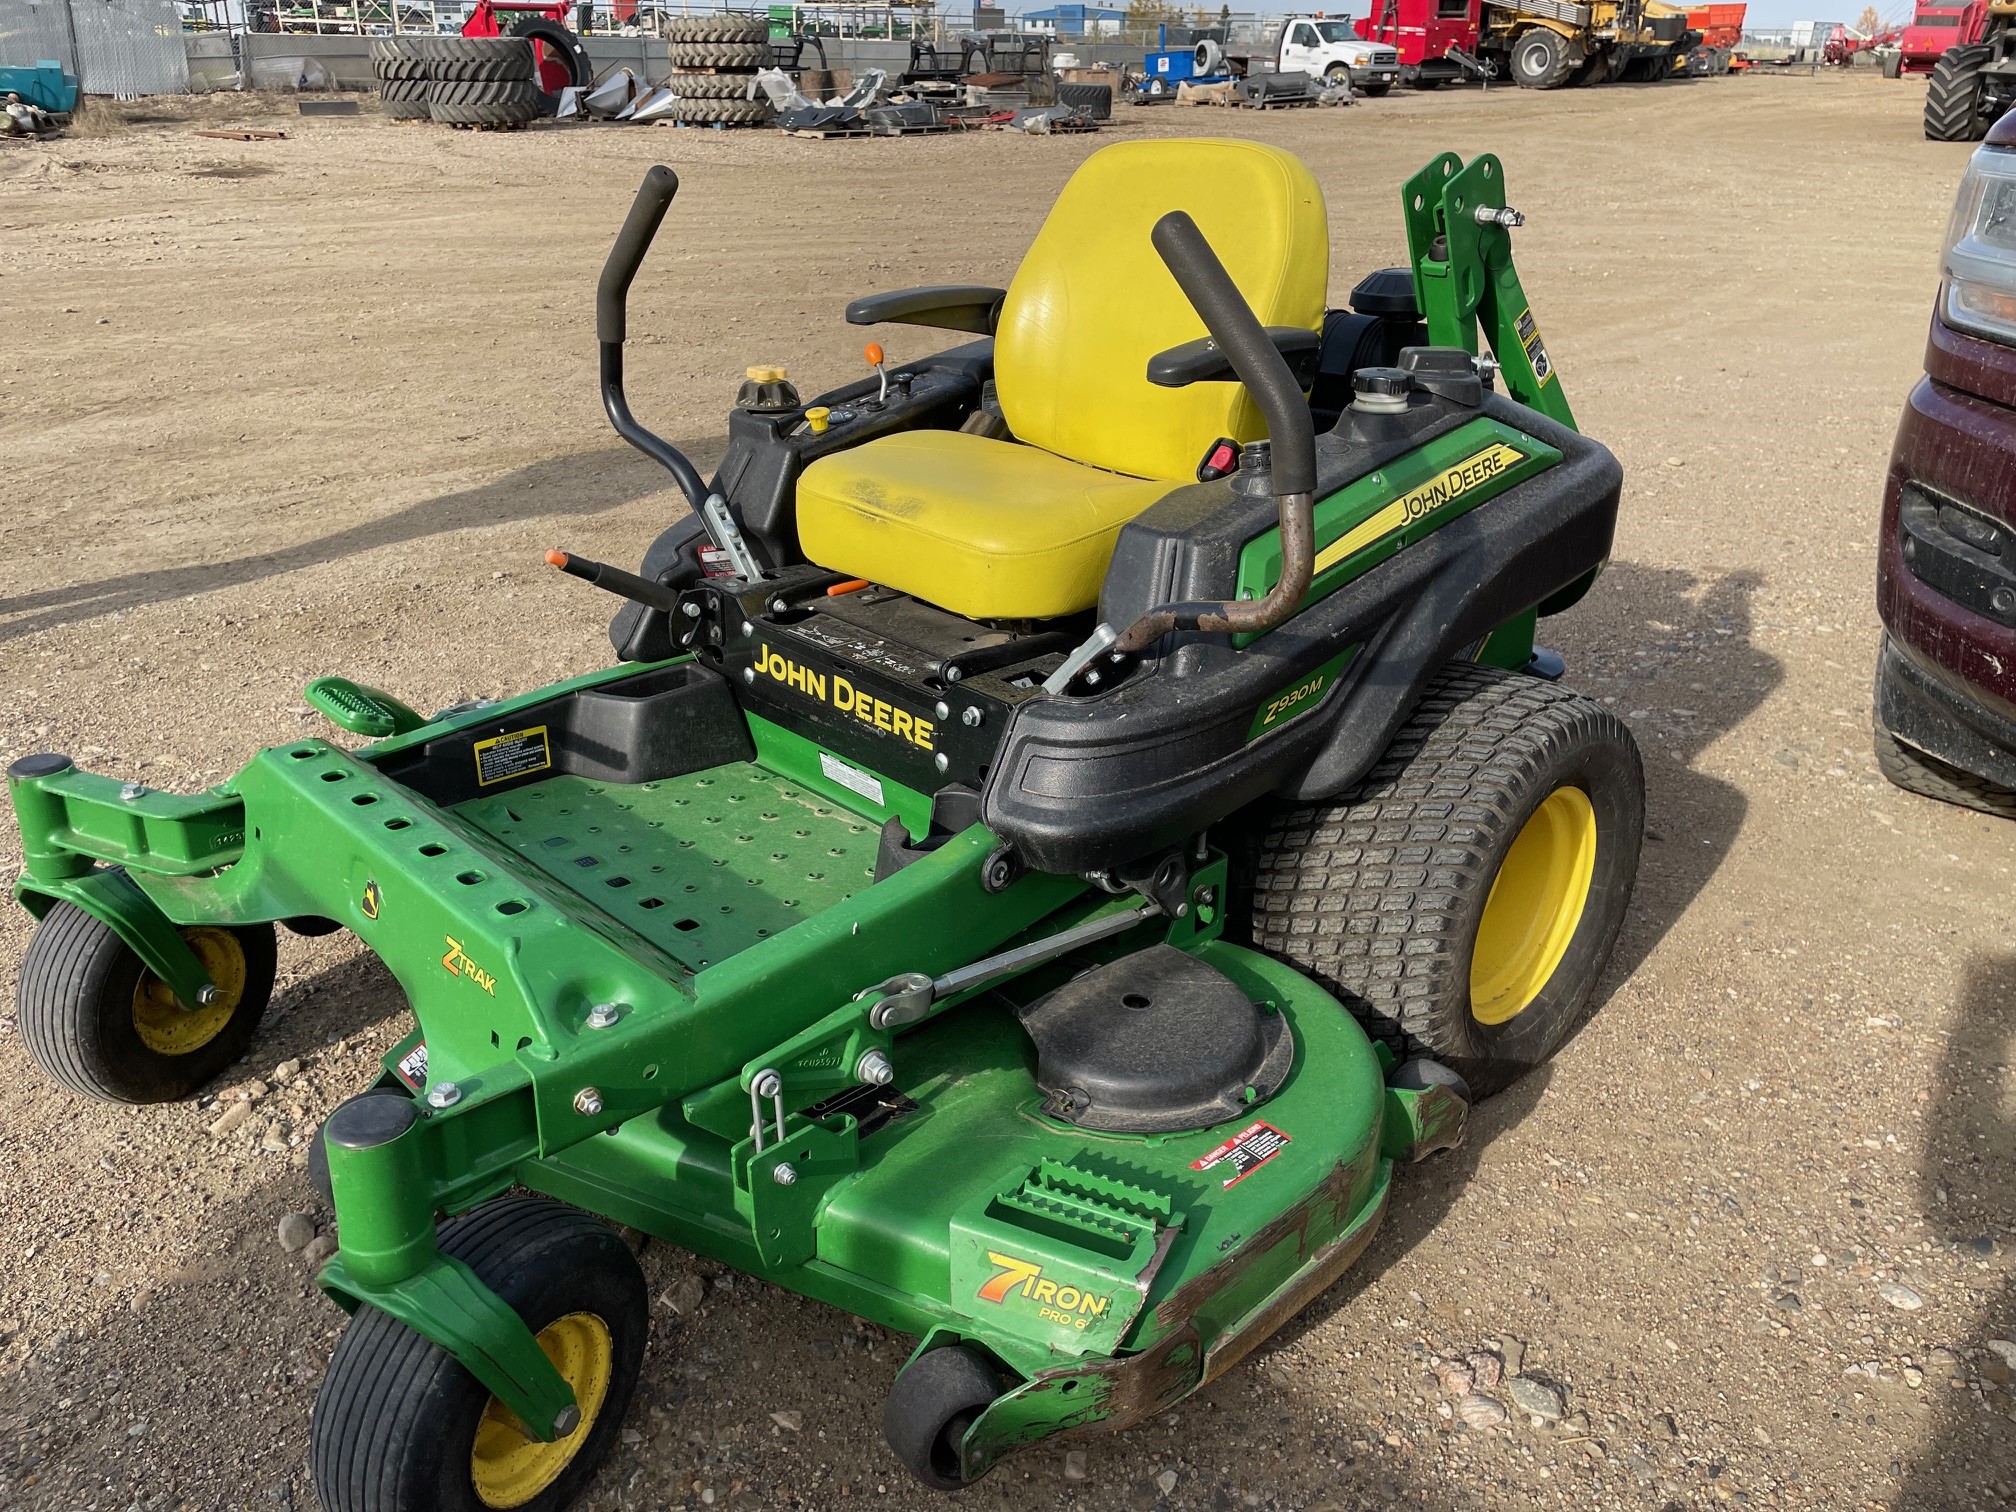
x=714, y=63
x=459, y=81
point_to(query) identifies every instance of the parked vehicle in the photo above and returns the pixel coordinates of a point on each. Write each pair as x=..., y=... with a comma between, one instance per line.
x=1540, y=44
x=1331, y=50
x=1974, y=80
x=1945, y=716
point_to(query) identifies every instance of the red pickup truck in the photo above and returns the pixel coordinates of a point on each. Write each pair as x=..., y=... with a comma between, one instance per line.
x=1945, y=719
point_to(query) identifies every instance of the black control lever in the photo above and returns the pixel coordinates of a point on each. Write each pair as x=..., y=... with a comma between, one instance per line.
x=1267, y=377
x=647, y=211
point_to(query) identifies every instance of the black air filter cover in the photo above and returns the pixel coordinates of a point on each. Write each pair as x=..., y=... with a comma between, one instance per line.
x=1155, y=1042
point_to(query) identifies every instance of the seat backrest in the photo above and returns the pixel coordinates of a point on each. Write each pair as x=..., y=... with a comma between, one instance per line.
x=1092, y=302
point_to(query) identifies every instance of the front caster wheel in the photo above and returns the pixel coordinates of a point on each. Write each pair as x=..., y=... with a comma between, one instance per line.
x=98, y=1021
x=400, y=1426
x=932, y=1404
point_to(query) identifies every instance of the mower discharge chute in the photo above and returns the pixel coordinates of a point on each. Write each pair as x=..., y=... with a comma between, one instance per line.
x=1070, y=815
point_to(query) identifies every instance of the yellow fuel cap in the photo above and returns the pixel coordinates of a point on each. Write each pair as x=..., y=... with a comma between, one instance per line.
x=816, y=418
x=766, y=374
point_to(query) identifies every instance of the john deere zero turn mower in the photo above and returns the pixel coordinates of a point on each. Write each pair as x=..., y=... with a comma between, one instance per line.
x=1043, y=855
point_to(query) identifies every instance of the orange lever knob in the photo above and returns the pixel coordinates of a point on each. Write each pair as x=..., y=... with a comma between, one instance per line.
x=873, y=352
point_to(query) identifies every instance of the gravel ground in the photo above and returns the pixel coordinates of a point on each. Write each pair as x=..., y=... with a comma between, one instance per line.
x=275, y=409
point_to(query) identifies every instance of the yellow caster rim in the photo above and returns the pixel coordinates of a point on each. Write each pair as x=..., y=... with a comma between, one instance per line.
x=508, y=1468
x=163, y=1024
x=1535, y=905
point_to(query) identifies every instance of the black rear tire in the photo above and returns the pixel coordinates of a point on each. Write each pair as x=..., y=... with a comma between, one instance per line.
x=476, y=104
x=482, y=60
x=1388, y=895
x=1917, y=772
x=929, y=1409
x=743, y=56
x=97, y=1020
x=397, y=1421
x=722, y=28
x=1540, y=59
x=1953, y=95
x=1375, y=91
x=1094, y=100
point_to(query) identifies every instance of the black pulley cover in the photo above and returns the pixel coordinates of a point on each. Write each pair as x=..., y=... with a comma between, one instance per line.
x=1155, y=1042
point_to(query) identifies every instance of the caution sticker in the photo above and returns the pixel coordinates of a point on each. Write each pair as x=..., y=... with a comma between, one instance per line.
x=1528, y=331
x=412, y=1067
x=1244, y=1153
x=516, y=754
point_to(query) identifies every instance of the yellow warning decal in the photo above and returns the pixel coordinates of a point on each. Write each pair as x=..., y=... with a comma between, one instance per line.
x=517, y=753
x=1444, y=488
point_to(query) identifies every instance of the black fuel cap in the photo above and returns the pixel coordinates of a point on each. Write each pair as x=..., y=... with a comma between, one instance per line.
x=1381, y=383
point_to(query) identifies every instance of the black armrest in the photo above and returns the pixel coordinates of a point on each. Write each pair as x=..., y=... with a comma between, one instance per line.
x=1201, y=361
x=949, y=307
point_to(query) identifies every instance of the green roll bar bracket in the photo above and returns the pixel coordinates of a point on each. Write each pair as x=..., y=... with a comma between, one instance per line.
x=1459, y=236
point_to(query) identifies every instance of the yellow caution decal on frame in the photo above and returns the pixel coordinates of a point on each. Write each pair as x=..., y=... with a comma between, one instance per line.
x=1445, y=488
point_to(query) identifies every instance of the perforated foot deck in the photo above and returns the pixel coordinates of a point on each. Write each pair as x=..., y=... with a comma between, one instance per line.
x=701, y=866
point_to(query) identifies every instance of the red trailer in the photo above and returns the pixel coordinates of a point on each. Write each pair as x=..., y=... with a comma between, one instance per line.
x=1937, y=26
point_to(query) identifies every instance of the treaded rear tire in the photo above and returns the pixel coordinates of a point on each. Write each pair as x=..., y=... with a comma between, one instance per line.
x=396, y=1417
x=1378, y=894
x=1953, y=95
x=709, y=86
x=1539, y=59
x=1916, y=772
x=718, y=29
x=1094, y=100
x=757, y=112
x=745, y=56
x=75, y=1008
x=472, y=104
x=405, y=99
x=499, y=60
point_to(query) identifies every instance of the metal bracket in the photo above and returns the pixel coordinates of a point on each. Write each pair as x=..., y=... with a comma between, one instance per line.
x=448, y=1304
x=910, y=996
x=116, y=901
x=720, y=523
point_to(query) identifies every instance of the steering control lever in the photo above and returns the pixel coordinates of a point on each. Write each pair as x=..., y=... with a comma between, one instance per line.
x=647, y=212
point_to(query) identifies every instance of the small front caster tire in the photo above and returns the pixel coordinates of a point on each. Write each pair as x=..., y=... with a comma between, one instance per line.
x=932, y=1404
x=98, y=1021
x=400, y=1426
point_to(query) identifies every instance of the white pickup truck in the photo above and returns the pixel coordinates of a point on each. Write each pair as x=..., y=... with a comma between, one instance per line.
x=1329, y=48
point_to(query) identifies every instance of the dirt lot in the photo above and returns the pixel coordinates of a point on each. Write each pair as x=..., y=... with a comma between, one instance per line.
x=275, y=409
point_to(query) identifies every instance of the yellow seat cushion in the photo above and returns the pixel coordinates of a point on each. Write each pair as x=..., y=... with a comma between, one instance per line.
x=987, y=529
x=997, y=530
x=1092, y=301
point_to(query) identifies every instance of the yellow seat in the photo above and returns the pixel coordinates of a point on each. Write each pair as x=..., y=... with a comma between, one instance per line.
x=1025, y=529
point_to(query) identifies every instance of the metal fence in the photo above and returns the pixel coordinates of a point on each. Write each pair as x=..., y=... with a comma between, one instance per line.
x=124, y=48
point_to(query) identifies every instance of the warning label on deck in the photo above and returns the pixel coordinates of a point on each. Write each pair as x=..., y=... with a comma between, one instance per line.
x=1528, y=331
x=412, y=1067
x=518, y=753
x=1243, y=1154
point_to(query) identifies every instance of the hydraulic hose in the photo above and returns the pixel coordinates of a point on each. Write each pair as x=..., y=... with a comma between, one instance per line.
x=1267, y=377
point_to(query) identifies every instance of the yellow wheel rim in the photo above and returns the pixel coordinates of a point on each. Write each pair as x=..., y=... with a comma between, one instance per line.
x=163, y=1024
x=510, y=1469
x=1536, y=903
